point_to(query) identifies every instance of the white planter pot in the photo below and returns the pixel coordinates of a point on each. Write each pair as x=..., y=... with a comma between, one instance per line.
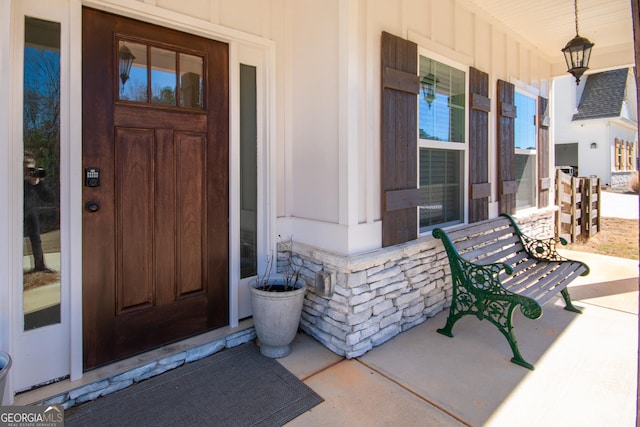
x=276, y=316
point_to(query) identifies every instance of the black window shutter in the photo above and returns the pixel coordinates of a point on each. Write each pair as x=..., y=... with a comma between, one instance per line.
x=544, y=181
x=480, y=106
x=507, y=184
x=399, y=118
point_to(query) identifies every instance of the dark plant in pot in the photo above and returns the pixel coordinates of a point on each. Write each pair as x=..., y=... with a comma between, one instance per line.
x=276, y=300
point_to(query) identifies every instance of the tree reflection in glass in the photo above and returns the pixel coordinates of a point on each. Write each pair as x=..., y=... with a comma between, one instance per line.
x=41, y=167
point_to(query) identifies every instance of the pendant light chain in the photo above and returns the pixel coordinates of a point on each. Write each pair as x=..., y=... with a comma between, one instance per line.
x=575, y=4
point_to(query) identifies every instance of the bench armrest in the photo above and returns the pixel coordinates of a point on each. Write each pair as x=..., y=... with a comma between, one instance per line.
x=542, y=249
x=483, y=280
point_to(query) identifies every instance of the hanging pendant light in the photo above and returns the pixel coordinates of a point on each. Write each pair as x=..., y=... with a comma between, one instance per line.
x=428, y=84
x=577, y=52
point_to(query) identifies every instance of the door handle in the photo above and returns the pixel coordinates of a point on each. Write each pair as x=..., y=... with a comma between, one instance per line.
x=92, y=206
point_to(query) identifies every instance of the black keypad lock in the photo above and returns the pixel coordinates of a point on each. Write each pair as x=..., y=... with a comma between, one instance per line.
x=92, y=177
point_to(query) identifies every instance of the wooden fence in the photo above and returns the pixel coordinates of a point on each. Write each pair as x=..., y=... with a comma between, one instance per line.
x=578, y=200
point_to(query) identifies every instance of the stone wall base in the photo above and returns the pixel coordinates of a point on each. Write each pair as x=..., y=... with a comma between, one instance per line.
x=122, y=380
x=622, y=180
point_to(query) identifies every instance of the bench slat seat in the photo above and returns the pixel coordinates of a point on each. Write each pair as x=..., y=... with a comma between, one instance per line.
x=496, y=268
x=549, y=277
x=532, y=277
x=557, y=281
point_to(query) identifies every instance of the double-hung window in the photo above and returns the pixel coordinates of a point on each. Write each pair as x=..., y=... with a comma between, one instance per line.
x=525, y=147
x=441, y=143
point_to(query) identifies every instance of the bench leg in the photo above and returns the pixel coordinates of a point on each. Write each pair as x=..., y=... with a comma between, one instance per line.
x=447, y=330
x=498, y=312
x=568, y=304
x=517, y=357
x=458, y=309
x=452, y=318
x=504, y=322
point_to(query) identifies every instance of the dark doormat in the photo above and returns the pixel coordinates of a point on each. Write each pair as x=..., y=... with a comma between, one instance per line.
x=236, y=387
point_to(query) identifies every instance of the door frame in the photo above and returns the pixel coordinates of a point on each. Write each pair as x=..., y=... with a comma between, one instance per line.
x=239, y=298
x=248, y=48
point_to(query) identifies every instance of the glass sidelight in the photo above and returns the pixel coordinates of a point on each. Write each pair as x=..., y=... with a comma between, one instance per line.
x=41, y=168
x=248, y=172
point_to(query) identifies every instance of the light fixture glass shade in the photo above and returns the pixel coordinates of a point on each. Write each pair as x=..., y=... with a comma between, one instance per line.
x=125, y=58
x=428, y=84
x=577, y=53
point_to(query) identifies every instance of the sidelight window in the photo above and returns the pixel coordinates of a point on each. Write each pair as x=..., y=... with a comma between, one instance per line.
x=248, y=172
x=41, y=166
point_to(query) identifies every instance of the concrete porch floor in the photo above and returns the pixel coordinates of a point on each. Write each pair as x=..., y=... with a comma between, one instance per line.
x=586, y=366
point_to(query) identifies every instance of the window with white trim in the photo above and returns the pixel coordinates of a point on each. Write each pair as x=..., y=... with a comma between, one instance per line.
x=441, y=143
x=525, y=147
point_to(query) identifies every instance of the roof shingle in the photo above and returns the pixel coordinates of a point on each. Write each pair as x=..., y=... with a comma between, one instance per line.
x=603, y=95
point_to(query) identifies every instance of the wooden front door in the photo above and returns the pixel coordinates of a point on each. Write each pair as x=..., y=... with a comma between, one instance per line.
x=156, y=210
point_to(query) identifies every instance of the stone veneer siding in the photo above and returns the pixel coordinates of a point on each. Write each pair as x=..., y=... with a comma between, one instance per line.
x=382, y=293
x=622, y=180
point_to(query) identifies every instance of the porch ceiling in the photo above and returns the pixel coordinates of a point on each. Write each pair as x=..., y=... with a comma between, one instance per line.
x=550, y=24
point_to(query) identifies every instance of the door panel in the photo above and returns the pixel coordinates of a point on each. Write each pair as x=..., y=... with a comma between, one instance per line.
x=155, y=254
x=134, y=206
x=190, y=173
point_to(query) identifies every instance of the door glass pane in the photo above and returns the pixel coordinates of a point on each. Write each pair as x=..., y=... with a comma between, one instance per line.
x=132, y=71
x=163, y=76
x=248, y=172
x=41, y=166
x=190, y=81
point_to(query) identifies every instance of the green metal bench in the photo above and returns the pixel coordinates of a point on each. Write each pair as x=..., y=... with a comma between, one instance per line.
x=495, y=268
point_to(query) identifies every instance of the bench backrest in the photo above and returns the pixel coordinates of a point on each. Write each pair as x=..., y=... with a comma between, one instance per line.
x=491, y=241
